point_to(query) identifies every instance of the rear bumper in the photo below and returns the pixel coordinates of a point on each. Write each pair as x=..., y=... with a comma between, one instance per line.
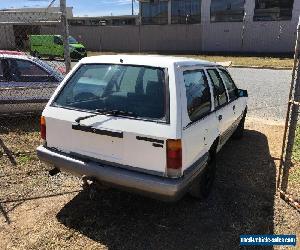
x=157, y=187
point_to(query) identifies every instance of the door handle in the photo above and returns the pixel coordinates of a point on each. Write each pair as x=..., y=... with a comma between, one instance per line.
x=220, y=117
x=233, y=107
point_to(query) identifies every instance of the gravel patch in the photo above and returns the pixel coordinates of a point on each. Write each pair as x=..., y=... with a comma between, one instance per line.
x=42, y=212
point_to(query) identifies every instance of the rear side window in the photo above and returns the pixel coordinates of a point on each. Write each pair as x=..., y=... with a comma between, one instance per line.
x=26, y=71
x=231, y=88
x=197, y=94
x=5, y=74
x=16, y=70
x=219, y=89
x=26, y=68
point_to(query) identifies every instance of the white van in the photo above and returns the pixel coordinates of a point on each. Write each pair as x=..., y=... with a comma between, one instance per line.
x=146, y=124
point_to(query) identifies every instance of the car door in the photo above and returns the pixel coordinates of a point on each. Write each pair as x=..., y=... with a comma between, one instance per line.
x=30, y=86
x=223, y=110
x=235, y=102
x=198, y=119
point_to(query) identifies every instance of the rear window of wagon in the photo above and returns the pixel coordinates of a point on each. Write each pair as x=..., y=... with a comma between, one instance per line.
x=138, y=91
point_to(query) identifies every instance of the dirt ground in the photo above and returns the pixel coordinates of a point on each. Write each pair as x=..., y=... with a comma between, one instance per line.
x=42, y=212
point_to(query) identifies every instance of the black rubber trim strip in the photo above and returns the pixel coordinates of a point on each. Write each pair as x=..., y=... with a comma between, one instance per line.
x=97, y=131
x=140, y=138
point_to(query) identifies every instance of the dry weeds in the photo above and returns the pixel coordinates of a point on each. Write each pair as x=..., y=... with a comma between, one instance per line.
x=42, y=212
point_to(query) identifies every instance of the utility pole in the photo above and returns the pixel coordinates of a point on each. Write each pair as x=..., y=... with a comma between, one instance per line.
x=132, y=10
x=65, y=34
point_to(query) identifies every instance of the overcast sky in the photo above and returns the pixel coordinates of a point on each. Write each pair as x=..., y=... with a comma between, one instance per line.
x=80, y=7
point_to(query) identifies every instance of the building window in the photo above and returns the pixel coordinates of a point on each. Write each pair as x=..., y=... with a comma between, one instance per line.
x=273, y=10
x=154, y=12
x=186, y=11
x=227, y=10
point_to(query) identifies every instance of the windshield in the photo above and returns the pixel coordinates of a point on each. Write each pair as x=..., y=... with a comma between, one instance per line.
x=137, y=91
x=72, y=40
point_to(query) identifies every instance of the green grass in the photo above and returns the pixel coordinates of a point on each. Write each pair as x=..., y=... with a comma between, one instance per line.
x=294, y=174
x=296, y=149
x=237, y=60
x=24, y=159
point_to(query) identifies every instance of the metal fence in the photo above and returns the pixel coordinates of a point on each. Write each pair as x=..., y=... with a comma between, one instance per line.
x=31, y=66
x=288, y=176
x=28, y=81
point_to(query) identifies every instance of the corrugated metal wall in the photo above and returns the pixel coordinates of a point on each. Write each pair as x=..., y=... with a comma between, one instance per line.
x=272, y=37
x=7, y=40
x=171, y=38
x=149, y=38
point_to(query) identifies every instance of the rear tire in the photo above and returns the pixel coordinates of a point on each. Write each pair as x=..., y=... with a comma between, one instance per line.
x=203, y=184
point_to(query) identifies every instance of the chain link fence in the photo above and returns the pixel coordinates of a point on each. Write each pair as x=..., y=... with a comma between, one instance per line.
x=289, y=172
x=288, y=183
x=32, y=58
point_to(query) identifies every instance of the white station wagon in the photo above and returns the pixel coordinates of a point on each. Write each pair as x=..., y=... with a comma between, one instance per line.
x=146, y=124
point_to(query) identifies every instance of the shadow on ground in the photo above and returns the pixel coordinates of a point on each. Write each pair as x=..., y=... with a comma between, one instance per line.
x=241, y=203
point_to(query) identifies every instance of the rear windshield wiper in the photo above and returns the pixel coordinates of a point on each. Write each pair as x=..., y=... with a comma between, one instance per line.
x=99, y=112
x=79, y=119
x=104, y=112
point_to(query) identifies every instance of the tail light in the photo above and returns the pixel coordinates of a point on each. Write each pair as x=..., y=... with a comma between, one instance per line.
x=43, y=127
x=174, y=158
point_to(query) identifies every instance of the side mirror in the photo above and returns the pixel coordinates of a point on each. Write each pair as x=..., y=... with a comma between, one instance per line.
x=242, y=93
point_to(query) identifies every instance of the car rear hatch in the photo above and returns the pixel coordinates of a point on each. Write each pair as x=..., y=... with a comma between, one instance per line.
x=113, y=114
x=109, y=140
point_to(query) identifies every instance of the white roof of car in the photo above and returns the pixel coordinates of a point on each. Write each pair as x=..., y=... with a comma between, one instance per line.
x=149, y=60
